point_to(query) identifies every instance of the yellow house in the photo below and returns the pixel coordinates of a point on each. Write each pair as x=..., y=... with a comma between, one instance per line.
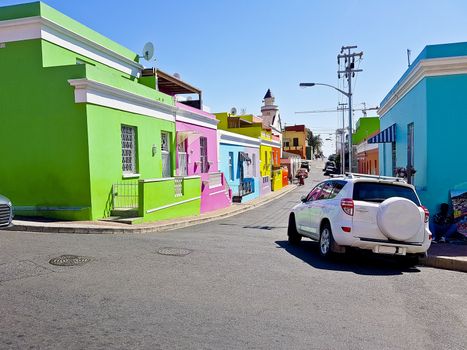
x=294, y=140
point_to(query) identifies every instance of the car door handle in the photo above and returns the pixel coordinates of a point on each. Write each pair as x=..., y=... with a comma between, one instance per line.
x=362, y=210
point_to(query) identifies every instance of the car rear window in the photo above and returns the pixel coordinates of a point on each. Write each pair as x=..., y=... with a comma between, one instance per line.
x=378, y=192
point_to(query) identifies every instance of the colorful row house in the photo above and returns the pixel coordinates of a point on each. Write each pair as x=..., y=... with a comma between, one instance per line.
x=99, y=134
x=103, y=137
x=423, y=123
x=366, y=153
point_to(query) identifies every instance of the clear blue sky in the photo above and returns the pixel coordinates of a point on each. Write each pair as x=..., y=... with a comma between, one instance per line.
x=235, y=50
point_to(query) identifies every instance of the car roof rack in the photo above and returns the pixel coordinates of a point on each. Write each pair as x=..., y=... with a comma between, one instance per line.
x=377, y=177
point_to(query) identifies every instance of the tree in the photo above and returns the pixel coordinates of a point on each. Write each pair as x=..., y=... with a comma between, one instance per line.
x=314, y=141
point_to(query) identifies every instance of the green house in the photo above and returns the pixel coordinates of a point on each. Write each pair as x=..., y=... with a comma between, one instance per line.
x=84, y=132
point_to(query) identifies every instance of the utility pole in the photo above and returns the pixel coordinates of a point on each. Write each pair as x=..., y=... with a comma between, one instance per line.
x=349, y=72
x=341, y=107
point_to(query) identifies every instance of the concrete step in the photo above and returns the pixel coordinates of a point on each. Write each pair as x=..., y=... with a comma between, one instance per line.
x=124, y=220
x=124, y=212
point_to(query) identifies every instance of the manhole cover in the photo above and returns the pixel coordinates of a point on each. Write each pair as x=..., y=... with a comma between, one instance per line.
x=174, y=251
x=69, y=260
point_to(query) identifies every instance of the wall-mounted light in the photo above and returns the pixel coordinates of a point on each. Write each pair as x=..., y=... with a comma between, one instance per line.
x=154, y=150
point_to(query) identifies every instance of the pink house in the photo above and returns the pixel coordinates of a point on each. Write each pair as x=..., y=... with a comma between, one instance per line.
x=197, y=155
x=196, y=142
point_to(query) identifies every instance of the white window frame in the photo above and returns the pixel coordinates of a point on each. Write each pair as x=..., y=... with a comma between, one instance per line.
x=128, y=142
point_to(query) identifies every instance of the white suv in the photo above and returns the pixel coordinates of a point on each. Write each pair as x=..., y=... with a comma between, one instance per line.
x=382, y=214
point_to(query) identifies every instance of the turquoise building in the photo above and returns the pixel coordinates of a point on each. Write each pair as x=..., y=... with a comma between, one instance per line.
x=424, y=123
x=239, y=161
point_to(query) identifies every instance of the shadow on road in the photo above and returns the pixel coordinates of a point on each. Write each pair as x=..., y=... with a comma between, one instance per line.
x=358, y=262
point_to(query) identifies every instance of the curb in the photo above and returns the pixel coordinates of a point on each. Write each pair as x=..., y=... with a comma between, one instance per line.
x=149, y=229
x=444, y=262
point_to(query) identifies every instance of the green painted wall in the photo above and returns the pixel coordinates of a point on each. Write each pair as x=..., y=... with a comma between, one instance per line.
x=157, y=194
x=41, y=9
x=43, y=134
x=105, y=151
x=365, y=127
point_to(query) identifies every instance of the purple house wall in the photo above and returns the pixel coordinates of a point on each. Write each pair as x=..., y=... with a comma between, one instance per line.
x=197, y=155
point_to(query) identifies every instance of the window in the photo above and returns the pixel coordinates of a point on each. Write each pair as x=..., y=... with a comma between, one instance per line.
x=286, y=143
x=337, y=187
x=203, y=154
x=295, y=141
x=326, y=190
x=315, y=192
x=165, y=153
x=410, y=153
x=379, y=192
x=182, y=158
x=393, y=144
x=231, y=170
x=253, y=160
x=128, y=149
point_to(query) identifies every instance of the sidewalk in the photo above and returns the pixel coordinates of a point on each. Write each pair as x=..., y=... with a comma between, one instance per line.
x=449, y=256
x=106, y=227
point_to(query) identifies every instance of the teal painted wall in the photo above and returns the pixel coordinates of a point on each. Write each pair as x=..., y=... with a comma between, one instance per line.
x=447, y=127
x=436, y=106
x=43, y=134
x=412, y=108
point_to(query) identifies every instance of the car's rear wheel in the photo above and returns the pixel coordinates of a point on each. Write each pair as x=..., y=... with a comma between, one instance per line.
x=294, y=236
x=325, y=241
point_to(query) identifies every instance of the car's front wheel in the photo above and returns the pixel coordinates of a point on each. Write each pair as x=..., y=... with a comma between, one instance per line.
x=294, y=236
x=325, y=241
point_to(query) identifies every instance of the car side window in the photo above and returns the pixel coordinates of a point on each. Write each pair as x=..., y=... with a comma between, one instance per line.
x=315, y=192
x=326, y=191
x=336, y=188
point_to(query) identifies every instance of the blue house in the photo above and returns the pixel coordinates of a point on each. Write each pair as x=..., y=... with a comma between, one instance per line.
x=424, y=124
x=239, y=161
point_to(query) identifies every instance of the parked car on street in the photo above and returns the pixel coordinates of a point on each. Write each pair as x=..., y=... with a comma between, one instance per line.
x=6, y=212
x=381, y=214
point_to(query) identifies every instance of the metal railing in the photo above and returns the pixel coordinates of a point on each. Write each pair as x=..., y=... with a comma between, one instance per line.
x=125, y=195
x=245, y=187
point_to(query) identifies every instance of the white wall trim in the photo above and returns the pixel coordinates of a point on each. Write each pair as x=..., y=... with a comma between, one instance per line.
x=42, y=28
x=149, y=211
x=90, y=91
x=195, y=119
x=169, y=178
x=237, y=139
x=425, y=68
x=271, y=143
x=365, y=146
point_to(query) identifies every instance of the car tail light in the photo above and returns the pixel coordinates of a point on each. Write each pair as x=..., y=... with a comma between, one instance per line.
x=427, y=213
x=347, y=206
x=346, y=229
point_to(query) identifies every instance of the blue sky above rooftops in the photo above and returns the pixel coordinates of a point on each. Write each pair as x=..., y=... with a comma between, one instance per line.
x=235, y=50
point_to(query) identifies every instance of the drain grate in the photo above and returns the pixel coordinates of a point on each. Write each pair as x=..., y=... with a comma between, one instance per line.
x=69, y=260
x=174, y=251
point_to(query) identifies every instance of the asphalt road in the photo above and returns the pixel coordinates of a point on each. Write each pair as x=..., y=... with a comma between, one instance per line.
x=240, y=287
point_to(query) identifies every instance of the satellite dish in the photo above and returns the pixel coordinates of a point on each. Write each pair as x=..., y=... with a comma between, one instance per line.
x=233, y=111
x=177, y=75
x=148, y=51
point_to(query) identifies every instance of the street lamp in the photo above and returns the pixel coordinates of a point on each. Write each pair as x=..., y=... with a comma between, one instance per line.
x=349, y=96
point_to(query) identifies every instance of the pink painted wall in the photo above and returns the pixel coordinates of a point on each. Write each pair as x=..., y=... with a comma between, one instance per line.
x=211, y=198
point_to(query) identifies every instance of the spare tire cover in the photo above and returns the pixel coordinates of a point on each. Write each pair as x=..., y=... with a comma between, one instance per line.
x=399, y=218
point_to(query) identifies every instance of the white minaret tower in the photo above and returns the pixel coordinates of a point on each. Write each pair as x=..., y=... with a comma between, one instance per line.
x=271, y=116
x=269, y=108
